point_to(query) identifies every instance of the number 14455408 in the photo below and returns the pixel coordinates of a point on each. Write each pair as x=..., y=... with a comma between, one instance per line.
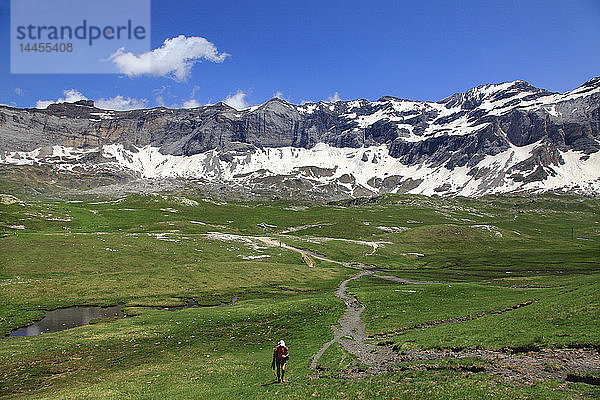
x=46, y=47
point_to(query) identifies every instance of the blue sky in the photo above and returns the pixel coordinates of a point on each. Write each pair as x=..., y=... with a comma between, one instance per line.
x=310, y=50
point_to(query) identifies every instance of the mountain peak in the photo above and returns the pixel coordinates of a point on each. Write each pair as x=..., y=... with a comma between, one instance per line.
x=592, y=83
x=276, y=100
x=273, y=104
x=474, y=97
x=389, y=98
x=85, y=103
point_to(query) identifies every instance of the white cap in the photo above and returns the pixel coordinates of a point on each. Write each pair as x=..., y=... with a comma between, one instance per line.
x=281, y=343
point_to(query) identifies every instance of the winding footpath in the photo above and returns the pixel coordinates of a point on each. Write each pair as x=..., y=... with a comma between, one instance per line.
x=529, y=367
x=350, y=334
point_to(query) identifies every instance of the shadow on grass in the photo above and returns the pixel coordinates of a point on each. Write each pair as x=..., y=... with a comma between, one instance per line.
x=274, y=381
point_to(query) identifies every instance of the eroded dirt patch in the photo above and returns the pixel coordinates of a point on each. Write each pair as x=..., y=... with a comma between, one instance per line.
x=529, y=367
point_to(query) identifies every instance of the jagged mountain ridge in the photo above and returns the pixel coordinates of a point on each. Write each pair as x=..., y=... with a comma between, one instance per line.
x=537, y=140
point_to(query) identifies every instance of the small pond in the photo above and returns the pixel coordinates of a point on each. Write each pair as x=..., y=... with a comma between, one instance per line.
x=72, y=317
x=67, y=318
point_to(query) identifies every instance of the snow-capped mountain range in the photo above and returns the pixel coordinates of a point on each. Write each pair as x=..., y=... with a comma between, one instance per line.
x=495, y=138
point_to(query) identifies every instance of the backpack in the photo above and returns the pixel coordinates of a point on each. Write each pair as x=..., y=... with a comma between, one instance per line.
x=282, y=353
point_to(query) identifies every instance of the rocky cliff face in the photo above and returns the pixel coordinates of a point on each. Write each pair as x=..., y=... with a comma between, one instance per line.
x=532, y=135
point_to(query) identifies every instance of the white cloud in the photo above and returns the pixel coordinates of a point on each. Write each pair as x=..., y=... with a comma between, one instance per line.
x=19, y=91
x=173, y=59
x=278, y=95
x=71, y=95
x=118, y=102
x=335, y=98
x=121, y=103
x=191, y=103
x=237, y=100
x=160, y=90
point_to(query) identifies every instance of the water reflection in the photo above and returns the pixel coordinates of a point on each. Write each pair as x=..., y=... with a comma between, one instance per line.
x=67, y=318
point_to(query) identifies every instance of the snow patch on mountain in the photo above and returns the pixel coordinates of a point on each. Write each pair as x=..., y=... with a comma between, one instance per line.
x=350, y=168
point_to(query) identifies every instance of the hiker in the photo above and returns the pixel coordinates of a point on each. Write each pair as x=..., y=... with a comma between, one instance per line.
x=280, y=357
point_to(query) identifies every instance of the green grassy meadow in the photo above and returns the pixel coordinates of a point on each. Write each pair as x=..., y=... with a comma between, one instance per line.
x=150, y=252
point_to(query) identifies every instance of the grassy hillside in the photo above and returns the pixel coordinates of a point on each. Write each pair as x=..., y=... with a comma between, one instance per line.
x=485, y=256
